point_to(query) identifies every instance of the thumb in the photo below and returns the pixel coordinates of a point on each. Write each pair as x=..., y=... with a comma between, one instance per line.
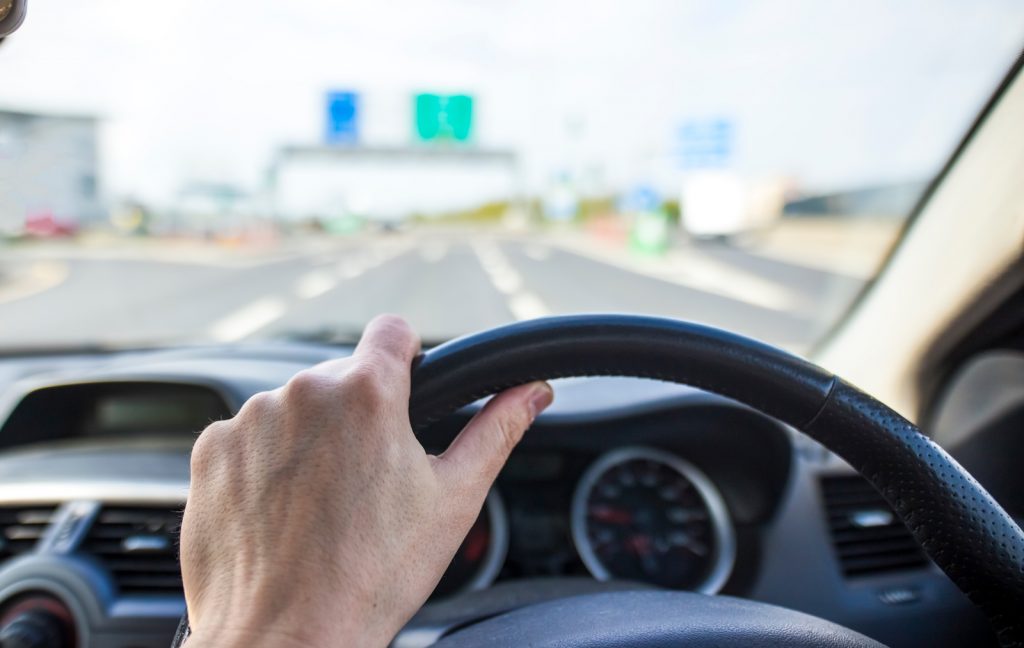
x=476, y=456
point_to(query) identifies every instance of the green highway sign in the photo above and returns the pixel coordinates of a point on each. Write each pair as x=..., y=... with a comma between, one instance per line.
x=443, y=117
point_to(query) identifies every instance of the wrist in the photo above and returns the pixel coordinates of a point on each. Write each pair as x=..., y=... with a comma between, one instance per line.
x=226, y=638
x=310, y=630
x=273, y=637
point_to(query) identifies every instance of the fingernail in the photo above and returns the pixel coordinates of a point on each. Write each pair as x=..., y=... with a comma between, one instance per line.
x=541, y=396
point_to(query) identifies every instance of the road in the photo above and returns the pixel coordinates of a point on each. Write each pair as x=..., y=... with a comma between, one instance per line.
x=445, y=284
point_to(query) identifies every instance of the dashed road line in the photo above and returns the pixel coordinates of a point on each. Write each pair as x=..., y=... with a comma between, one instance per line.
x=692, y=269
x=506, y=280
x=248, y=319
x=314, y=284
x=526, y=305
x=522, y=303
x=251, y=318
x=354, y=266
x=351, y=268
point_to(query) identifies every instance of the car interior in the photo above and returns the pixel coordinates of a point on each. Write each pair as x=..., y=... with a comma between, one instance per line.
x=691, y=485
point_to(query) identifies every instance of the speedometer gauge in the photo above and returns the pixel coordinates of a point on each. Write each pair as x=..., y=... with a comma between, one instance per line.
x=646, y=515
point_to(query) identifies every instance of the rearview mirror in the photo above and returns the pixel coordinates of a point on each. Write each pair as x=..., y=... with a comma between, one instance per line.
x=12, y=13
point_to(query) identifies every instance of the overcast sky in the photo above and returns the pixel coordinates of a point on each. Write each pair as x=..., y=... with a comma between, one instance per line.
x=835, y=94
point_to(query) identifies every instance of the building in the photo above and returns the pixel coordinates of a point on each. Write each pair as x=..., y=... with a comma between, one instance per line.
x=385, y=183
x=49, y=172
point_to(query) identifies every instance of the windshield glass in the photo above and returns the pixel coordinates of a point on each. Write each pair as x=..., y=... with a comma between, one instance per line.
x=198, y=171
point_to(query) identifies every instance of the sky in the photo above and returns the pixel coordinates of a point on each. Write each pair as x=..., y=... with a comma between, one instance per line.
x=832, y=94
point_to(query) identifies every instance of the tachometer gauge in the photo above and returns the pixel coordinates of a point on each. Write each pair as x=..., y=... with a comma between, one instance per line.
x=646, y=515
x=482, y=553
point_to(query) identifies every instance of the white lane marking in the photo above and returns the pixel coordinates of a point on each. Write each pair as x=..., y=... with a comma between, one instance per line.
x=691, y=268
x=716, y=276
x=314, y=284
x=507, y=280
x=41, y=275
x=433, y=252
x=248, y=319
x=522, y=303
x=350, y=269
x=526, y=305
x=368, y=259
x=537, y=252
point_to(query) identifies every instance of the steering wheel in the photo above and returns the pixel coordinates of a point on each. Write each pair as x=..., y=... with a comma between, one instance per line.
x=960, y=526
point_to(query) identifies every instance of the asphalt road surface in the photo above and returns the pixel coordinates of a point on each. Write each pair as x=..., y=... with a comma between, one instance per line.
x=444, y=284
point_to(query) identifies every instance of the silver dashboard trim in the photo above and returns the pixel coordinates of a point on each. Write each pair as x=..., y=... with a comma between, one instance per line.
x=725, y=536
x=112, y=491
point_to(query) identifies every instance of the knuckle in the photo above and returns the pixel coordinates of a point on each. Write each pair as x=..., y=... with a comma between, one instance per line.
x=309, y=387
x=259, y=405
x=206, y=448
x=201, y=461
x=365, y=382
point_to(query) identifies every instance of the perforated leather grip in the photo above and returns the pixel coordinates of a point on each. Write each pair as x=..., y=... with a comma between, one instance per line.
x=964, y=530
x=954, y=519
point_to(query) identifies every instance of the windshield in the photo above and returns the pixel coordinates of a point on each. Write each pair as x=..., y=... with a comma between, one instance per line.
x=198, y=171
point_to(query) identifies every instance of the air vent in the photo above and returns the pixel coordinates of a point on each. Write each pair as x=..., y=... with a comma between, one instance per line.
x=867, y=535
x=21, y=527
x=140, y=548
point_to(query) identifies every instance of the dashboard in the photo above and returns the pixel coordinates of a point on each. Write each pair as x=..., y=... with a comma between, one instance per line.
x=622, y=483
x=678, y=506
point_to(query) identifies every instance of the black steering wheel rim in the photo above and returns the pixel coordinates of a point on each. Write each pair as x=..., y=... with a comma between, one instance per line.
x=958, y=524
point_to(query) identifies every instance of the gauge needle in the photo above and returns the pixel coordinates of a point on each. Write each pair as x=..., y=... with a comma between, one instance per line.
x=682, y=539
x=641, y=545
x=611, y=515
x=681, y=515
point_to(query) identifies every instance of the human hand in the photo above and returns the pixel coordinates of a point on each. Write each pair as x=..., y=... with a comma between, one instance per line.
x=316, y=518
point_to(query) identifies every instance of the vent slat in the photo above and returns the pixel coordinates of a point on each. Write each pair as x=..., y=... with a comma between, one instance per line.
x=149, y=581
x=879, y=549
x=21, y=532
x=852, y=534
x=151, y=568
x=864, y=548
x=880, y=564
x=21, y=527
